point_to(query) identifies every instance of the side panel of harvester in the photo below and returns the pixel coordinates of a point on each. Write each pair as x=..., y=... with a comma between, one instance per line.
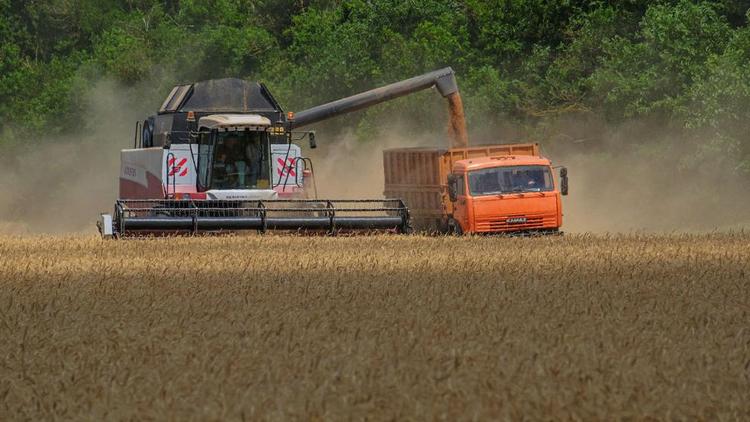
x=179, y=168
x=140, y=173
x=152, y=173
x=155, y=173
x=288, y=170
x=420, y=177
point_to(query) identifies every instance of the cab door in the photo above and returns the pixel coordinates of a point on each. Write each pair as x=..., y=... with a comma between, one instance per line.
x=460, y=206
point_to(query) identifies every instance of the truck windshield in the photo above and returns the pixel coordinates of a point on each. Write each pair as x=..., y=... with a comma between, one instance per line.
x=240, y=161
x=499, y=180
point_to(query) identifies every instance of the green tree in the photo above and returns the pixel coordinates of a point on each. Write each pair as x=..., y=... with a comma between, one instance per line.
x=654, y=72
x=720, y=107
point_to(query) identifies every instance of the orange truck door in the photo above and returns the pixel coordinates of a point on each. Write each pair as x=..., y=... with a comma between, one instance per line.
x=460, y=213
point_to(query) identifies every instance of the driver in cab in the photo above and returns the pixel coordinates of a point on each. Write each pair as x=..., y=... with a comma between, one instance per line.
x=527, y=180
x=230, y=163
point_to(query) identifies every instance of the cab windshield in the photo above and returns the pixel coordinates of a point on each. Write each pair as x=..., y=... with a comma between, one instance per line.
x=240, y=161
x=514, y=179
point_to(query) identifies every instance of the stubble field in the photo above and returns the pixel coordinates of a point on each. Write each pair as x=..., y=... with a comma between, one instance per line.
x=573, y=327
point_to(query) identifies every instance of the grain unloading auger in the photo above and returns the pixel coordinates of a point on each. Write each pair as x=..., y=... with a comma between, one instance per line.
x=220, y=156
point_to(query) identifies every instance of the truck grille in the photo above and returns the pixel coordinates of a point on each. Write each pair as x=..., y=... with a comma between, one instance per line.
x=517, y=222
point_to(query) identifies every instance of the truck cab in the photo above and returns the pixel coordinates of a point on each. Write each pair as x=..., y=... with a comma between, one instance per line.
x=511, y=193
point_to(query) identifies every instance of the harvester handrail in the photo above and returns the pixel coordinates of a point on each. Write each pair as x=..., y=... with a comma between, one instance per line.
x=198, y=201
x=136, y=135
x=308, y=161
x=170, y=174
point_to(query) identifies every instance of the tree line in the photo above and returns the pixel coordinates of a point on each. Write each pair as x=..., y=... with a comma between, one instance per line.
x=682, y=64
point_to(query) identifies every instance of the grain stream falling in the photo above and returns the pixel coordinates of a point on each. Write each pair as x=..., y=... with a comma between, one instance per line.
x=385, y=327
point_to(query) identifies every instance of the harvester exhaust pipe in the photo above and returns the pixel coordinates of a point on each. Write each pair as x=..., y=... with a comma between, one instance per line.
x=444, y=80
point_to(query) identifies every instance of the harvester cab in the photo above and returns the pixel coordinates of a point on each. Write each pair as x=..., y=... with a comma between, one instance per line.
x=220, y=156
x=245, y=157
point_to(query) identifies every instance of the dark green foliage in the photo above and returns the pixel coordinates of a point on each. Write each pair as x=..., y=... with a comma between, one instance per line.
x=682, y=63
x=653, y=72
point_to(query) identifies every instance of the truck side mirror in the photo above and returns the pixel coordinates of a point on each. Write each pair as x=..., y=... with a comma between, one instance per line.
x=311, y=137
x=563, y=181
x=452, y=187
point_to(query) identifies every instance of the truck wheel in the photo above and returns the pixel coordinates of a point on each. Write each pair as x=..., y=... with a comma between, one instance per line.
x=454, y=228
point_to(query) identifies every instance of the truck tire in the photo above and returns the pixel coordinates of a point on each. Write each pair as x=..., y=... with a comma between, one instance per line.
x=454, y=228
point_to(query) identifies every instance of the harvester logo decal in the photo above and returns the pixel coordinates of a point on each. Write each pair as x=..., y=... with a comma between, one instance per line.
x=177, y=167
x=287, y=167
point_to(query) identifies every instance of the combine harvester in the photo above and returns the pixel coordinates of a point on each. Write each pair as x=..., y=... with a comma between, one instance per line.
x=220, y=156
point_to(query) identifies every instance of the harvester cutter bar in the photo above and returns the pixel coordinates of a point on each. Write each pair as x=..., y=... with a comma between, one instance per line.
x=136, y=216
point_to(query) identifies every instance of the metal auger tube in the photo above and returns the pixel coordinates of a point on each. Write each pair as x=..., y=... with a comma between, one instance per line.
x=443, y=79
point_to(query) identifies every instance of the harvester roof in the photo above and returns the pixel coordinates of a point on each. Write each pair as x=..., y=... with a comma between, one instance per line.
x=233, y=121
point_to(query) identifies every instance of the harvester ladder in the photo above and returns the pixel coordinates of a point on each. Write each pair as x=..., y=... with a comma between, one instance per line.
x=171, y=174
x=307, y=164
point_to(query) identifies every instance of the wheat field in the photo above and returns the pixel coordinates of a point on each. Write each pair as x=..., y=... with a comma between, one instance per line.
x=384, y=327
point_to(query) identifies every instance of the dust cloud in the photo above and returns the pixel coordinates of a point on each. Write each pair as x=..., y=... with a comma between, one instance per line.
x=621, y=180
x=61, y=184
x=645, y=193
x=643, y=177
x=346, y=168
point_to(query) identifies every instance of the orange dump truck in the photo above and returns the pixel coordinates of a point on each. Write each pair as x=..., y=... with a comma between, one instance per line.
x=483, y=189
